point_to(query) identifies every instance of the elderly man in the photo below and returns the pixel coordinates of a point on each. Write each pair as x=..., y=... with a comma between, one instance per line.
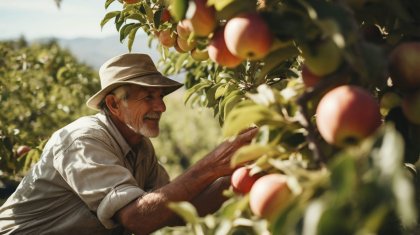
x=100, y=175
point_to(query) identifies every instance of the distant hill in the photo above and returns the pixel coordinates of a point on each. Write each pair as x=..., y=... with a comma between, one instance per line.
x=95, y=51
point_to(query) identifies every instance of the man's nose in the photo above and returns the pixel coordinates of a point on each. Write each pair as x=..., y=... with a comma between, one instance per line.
x=159, y=105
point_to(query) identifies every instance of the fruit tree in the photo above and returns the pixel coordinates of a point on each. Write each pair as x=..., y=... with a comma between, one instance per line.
x=333, y=86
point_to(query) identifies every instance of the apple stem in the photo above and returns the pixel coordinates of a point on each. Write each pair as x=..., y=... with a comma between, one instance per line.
x=325, y=84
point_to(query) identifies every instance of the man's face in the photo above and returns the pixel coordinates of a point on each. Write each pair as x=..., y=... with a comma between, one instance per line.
x=142, y=110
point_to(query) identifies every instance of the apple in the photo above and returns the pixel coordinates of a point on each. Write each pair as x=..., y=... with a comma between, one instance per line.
x=202, y=18
x=242, y=181
x=411, y=107
x=247, y=36
x=167, y=38
x=183, y=29
x=269, y=195
x=309, y=79
x=177, y=48
x=185, y=44
x=346, y=115
x=165, y=16
x=199, y=55
x=404, y=66
x=323, y=57
x=22, y=150
x=219, y=53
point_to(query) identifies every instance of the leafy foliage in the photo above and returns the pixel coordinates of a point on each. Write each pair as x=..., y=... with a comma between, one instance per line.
x=43, y=87
x=339, y=190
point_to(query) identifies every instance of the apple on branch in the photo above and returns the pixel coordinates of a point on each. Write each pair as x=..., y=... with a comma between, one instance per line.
x=269, y=195
x=346, y=115
x=201, y=18
x=183, y=30
x=219, y=53
x=404, y=66
x=185, y=44
x=247, y=36
x=242, y=180
x=22, y=150
x=167, y=38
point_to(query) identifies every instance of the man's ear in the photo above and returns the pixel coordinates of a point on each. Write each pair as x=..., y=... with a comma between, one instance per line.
x=111, y=103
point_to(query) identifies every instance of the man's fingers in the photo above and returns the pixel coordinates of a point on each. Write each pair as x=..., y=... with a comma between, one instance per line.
x=248, y=134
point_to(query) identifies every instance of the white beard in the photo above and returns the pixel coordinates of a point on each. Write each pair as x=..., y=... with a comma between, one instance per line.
x=142, y=129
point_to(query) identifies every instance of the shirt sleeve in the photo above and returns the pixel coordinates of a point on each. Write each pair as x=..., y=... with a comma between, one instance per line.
x=98, y=176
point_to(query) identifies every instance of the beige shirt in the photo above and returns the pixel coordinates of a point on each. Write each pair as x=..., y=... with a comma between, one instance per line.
x=87, y=172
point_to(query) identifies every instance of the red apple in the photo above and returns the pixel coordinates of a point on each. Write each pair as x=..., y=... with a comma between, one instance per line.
x=22, y=150
x=404, y=68
x=219, y=53
x=185, y=44
x=247, y=36
x=177, y=48
x=269, y=195
x=202, y=18
x=309, y=79
x=167, y=38
x=346, y=115
x=242, y=181
x=183, y=29
x=411, y=107
x=165, y=16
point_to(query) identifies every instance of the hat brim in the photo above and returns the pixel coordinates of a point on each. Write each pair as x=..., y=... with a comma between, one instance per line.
x=160, y=81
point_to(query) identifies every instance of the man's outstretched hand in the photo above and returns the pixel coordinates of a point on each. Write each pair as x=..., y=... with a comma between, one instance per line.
x=219, y=158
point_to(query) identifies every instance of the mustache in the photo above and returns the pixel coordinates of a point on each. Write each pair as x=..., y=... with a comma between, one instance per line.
x=153, y=115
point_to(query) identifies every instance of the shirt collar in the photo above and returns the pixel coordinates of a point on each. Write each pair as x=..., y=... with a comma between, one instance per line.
x=113, y=130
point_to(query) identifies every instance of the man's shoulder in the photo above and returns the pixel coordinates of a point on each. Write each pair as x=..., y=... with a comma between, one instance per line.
x=93, y=126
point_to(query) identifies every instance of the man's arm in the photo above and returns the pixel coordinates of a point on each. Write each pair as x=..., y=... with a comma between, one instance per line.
x=150, y=212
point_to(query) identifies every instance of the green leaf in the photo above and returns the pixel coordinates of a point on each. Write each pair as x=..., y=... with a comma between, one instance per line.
x=220, y=91
x=125, y=30
x=344, y=176
x=137, y=16
x=230, y=103
x=109, y=16
x=149, y=12
x=132, y=36
x=275, y=58
x=246, y=116
x=180, y=61
x=195, y=89
x=186, y=210
x=108, y=2
x=250, y=153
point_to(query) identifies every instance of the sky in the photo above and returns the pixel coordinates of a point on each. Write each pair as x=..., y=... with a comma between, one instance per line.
x=42, y=18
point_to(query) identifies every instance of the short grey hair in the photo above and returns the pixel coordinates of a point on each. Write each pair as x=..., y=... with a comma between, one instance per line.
x=121, y=92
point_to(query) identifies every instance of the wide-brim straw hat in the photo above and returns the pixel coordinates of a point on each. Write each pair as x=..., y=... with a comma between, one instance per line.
x=130, y=68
